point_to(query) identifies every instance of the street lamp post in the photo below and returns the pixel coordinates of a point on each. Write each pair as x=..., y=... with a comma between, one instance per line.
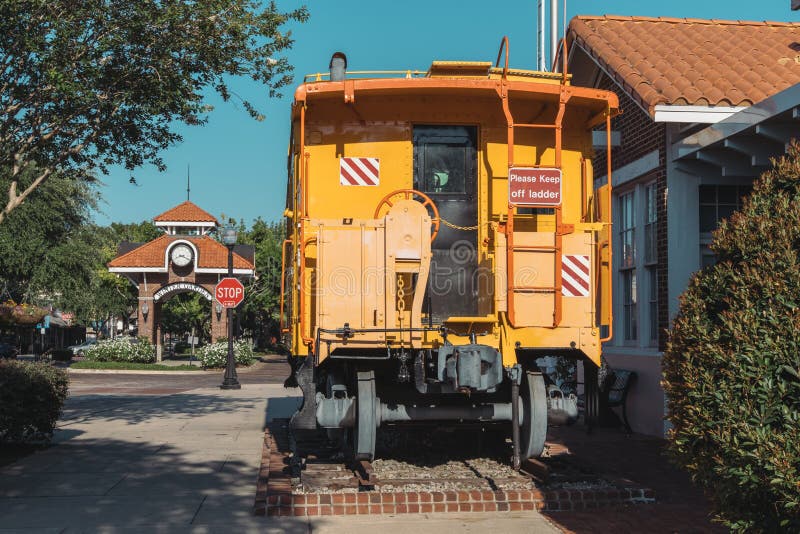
x=231, y=380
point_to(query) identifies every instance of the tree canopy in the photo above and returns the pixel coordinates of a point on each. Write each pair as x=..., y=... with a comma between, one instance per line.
x=44, y=253
x=91, y=83
x=259, y=312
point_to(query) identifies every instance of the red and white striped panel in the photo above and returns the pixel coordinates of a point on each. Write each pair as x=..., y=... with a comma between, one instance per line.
x=575, y=276
x=359, y=171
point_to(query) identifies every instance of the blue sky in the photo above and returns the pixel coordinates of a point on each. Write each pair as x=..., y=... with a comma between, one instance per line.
x=238, y=165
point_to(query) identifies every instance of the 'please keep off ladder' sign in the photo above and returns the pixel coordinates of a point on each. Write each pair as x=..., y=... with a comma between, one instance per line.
x=531, y=186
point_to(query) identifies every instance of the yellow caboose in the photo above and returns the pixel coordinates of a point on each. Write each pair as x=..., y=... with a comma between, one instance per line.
x=443, y=232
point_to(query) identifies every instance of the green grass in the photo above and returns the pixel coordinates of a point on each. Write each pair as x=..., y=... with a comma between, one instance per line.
x=129, y=366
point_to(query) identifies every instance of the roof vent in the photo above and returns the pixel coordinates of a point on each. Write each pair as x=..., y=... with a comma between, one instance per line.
x=338, y=66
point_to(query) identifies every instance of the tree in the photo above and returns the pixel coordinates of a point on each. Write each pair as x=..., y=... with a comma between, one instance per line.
x=91, y=83
x=106, y=295
x=259, y=311
x=187, y=313
x=732, y=366
x=44, y=255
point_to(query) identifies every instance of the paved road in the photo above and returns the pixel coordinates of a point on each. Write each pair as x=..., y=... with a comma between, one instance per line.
x=174, y=453
x=273, y=370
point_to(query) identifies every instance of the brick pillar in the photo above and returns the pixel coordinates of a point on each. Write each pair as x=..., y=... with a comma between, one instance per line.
x=146, y=323
x=157, y=328
x=219, y=326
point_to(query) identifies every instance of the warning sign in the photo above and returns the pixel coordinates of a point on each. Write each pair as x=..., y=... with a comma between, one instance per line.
x=532, y=186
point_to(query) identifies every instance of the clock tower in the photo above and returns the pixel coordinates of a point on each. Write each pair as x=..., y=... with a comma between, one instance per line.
x=187, y=258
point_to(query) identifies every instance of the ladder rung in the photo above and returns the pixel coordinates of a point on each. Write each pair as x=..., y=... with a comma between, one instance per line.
x=523, y=125
x=525, y=248
x=534, y=289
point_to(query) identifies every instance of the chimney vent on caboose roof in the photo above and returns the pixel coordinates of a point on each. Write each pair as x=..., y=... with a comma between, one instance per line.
x=338, y=66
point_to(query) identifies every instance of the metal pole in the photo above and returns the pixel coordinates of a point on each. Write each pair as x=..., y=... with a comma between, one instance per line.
x=231, y=381
x=553, y=33
x=541, y=61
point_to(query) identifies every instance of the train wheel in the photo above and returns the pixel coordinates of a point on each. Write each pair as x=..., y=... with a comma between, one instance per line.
x=533, y=431
x=366, y=422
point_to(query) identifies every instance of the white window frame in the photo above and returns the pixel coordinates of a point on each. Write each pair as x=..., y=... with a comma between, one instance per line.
x=642, y=306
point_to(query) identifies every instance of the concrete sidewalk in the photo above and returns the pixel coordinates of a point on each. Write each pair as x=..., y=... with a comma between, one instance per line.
x=185, y=462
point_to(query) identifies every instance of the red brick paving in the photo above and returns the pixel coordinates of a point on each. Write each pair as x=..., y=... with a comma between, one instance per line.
x=275, y=495
x=680, y=506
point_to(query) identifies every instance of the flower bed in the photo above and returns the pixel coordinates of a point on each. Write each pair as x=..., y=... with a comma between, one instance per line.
x=121, y=350
x=216, y=354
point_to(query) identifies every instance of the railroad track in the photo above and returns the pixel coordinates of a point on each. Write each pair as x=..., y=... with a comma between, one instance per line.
x=322, y=467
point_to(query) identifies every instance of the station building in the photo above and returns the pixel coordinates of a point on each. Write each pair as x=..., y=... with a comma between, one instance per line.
x=706, y=104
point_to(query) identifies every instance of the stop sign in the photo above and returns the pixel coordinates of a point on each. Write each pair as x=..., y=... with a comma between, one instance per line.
x=229, y=292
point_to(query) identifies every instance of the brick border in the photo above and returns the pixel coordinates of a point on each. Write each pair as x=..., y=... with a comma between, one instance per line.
x=274, y=496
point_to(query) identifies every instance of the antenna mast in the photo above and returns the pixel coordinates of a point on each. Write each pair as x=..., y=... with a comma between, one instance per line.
x=188, y=188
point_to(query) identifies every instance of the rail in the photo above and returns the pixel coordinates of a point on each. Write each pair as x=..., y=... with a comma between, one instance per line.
x=610, y=248
x=503, y=46
x=281, y=324
x=322, y=76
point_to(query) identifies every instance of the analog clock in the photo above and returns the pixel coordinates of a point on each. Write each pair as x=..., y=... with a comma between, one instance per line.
x=181, y=255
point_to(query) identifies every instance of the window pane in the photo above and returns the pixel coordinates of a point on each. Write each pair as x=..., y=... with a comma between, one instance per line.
x=628, y=249
x=652, y=213
x=708, y=218
x=725, y=212
x=650, y=243
x=728, y=194
x=653, y=306
x=445, y=168
x=708, y=194
x=630, y=326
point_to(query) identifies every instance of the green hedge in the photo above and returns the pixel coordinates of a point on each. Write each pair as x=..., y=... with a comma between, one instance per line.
x=732, y=366
x=121, y=350
x=31, y=398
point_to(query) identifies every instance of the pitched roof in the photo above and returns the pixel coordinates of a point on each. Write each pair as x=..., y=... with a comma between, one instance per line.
x=211, y=254
x=692, y=61
x=186, y=212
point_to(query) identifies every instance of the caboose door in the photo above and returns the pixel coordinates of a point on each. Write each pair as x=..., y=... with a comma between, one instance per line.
x=446, y=169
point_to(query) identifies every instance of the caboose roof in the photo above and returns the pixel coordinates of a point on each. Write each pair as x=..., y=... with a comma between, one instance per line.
x=597, y=100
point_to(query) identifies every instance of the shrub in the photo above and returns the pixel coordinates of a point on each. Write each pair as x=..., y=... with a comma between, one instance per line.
x=31, y=398
x=216, y=354
x=732, y=365
x=121, y=350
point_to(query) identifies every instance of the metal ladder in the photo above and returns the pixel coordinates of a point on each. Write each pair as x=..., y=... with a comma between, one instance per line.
x=560, y=229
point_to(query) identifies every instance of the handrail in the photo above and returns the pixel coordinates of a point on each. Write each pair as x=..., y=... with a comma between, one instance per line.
x=562, y=46
x=610, y=240
x=302, y=275
x=503, y=45
x=321, y=76
x=283, y=284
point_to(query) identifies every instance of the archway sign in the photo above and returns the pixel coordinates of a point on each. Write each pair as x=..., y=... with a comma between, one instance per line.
x=181, y=287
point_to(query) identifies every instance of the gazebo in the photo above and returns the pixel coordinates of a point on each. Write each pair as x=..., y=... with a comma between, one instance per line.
x=186, y=258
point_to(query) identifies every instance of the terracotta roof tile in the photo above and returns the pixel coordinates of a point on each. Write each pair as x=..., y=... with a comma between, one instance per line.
x=725, y=62
x=211, y=254
x=186, y=212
